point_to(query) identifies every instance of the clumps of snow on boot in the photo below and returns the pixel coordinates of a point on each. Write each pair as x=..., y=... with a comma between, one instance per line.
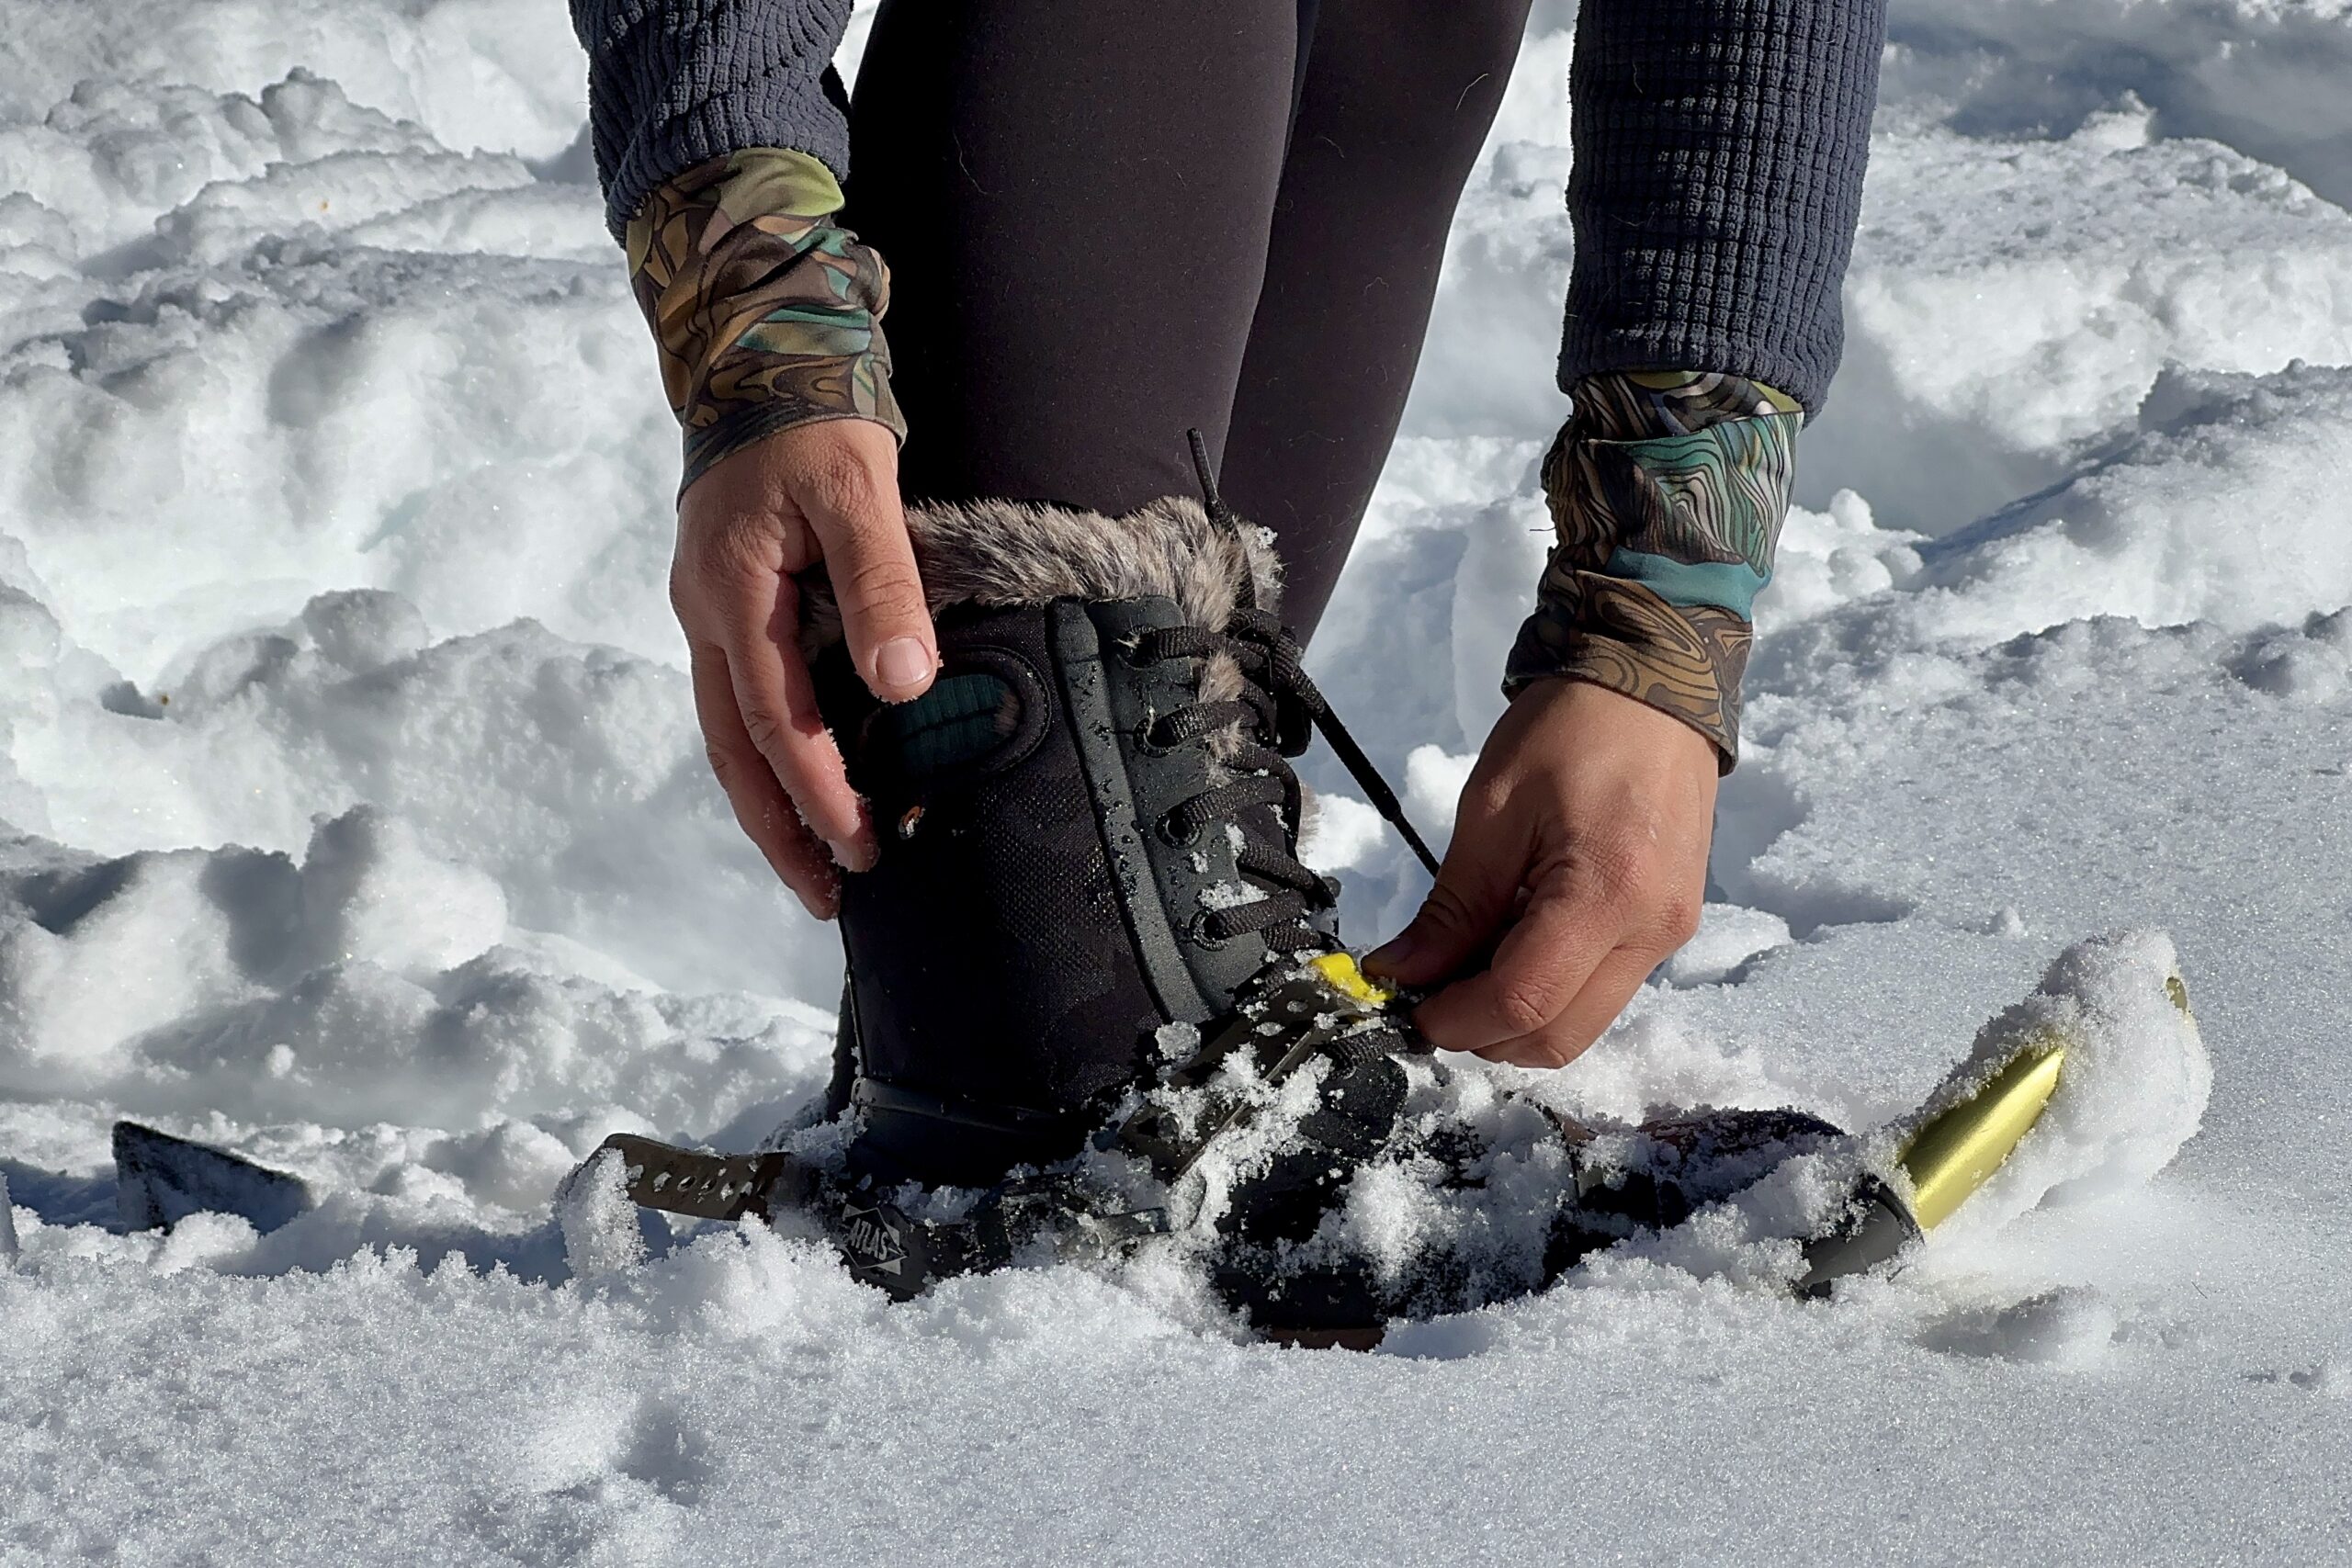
x=1455, y=1212
x=1264, y=1119
x=1459, y=1212
x=2132, y=1092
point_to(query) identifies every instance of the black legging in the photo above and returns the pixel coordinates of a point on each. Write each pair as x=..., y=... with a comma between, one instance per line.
x=1103, y=227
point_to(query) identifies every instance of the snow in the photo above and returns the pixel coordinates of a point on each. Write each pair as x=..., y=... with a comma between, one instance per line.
x=355, y=820
x=601, y=1236
x=2131, y=1091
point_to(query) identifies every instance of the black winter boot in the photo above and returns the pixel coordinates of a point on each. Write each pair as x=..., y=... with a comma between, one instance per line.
x=1088, y=828
x=1090, y=934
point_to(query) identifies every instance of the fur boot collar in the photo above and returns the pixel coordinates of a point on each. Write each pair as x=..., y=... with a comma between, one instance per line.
x=1002, y=553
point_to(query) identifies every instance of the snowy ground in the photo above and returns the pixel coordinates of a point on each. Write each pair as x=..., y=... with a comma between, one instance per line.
x=353, y=816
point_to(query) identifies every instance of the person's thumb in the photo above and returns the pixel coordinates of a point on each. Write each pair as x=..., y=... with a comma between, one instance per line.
x=1477, y=887
x=853, y=507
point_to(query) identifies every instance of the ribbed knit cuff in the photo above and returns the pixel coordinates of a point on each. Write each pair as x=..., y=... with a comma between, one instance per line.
x=673, y=83
x=1720, y=146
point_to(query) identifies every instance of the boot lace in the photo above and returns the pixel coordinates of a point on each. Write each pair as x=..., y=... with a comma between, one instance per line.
x=1276, y=717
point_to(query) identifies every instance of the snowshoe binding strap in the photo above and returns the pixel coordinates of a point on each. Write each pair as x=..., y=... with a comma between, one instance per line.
x=882, y=1245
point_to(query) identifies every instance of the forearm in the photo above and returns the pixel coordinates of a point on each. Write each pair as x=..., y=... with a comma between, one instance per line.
x=673, y=83
x=1720, y=146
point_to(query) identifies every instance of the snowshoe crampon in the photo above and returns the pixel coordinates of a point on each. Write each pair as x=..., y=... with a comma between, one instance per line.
x=1620, y=1182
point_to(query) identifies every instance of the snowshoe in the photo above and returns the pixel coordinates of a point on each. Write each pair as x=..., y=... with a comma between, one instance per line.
x=2109, y=1039
x=161, y=1180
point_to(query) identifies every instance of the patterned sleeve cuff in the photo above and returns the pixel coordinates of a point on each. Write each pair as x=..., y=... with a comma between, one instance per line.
x=766, y=314
x=1667, y=491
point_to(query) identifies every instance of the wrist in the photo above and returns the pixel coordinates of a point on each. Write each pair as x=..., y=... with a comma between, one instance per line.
x=766, y=313
x=1684, y=664
x=1666, y=492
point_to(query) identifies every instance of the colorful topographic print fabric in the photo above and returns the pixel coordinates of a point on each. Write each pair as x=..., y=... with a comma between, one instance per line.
x=1666, y=491
x=767, y=314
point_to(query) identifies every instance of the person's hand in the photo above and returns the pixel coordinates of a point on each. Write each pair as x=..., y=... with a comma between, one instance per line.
x=827, y=491
x=1581, y=842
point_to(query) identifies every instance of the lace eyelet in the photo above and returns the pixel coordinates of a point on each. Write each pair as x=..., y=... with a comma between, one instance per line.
x=1129, y=649
x=1167, y=834
x=1199, y=931
x=1145, y=744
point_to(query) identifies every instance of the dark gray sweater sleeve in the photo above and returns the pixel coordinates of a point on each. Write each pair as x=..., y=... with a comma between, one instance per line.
x=672, y=83
x=1718, y=176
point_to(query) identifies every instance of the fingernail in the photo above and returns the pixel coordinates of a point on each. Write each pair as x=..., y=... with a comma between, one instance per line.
x=903, y=664
x=849, y=854
x=1395, y=954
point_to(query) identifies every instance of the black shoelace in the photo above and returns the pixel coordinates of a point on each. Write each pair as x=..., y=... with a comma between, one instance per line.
x=1276, y=717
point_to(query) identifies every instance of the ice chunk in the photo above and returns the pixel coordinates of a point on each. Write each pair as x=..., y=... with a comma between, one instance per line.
x=1176, y=1041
